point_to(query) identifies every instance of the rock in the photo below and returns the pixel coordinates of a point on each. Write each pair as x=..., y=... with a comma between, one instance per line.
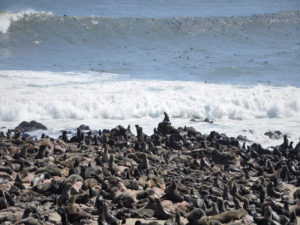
x=207, y=120
x=242, y=138
x=84, y=127
x=30, y=126
x=273, y=135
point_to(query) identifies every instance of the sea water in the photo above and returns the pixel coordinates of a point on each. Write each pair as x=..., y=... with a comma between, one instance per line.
x=105, y=63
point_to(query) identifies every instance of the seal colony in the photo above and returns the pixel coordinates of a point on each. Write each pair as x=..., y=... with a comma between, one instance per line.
x=175, y=176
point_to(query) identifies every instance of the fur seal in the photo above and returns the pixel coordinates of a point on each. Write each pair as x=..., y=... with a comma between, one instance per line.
x=64, y=197
x=177, y=219
x=213, y=210
x=74, y=213
x=230, y=215
x=19, y=183
x=166, y=119
x=160, y=213
x=195, y=215
x=172, y=193
x=64, y=216
x=41, y=152
x=29, y=221
x=108, y=215
x=6, y=169
x=65, y=136
x=271, y=191
x=101, y=219
x=3, y=203
x=52, y=170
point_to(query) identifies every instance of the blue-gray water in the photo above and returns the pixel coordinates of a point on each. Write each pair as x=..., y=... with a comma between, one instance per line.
x=237, y=42
x=107, y=62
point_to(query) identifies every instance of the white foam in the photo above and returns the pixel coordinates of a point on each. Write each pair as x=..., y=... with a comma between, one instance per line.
x=7, y=18
x=93, y=95
x=103, y=98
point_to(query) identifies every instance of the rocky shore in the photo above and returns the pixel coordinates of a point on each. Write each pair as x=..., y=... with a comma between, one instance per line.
x=175, y=176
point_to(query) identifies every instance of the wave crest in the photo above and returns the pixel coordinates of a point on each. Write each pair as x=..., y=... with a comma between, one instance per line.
x=113, y=26
x=7, y=18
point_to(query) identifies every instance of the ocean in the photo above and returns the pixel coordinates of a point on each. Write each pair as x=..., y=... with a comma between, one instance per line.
x=104, y=63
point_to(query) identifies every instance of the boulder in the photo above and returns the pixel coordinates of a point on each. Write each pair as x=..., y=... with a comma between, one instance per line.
x=84, y=127
x=273, y=135
x=30, y=126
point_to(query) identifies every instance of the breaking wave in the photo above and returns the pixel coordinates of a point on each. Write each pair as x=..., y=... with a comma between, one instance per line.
x=27, y=95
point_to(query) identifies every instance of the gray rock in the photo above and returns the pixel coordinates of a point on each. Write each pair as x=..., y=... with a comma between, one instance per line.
x=84, y=127
x=30, y=126
x=274, y=135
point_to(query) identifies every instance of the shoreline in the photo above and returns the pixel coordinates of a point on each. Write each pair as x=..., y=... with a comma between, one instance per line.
x=173, y=174
x=253, y=131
